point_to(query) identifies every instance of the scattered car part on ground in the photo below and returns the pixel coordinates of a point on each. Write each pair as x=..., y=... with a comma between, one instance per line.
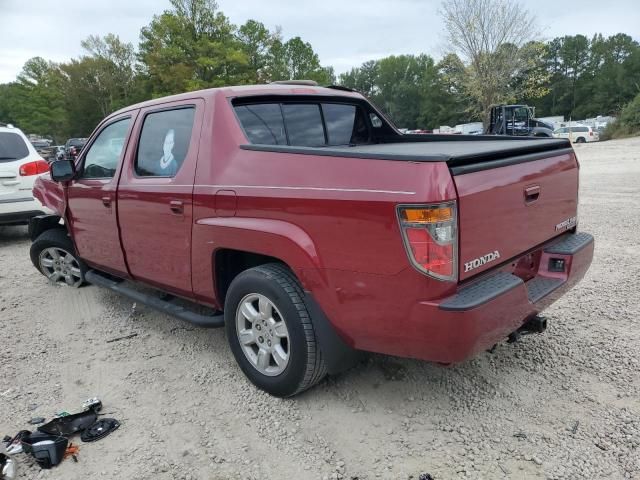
x=47, y=449
x=8, y=469
x=99, y=429
x=49, y=445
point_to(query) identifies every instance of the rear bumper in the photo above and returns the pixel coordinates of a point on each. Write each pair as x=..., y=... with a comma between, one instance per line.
x=20, y=211
x=487, y=310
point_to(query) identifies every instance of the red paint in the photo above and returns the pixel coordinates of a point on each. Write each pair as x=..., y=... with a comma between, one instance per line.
x=332, y=220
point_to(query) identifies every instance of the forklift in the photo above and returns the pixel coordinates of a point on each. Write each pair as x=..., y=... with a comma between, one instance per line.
x=516, y=120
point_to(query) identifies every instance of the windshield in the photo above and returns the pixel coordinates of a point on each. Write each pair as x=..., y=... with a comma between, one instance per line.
x=12, y=147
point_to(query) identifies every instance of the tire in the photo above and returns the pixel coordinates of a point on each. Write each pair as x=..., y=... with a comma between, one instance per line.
x=246, y=318
x=53, y=254
x=581, y=140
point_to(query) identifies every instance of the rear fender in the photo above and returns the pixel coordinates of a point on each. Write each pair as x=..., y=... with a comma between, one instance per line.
x=274, y=238
x=286, y=242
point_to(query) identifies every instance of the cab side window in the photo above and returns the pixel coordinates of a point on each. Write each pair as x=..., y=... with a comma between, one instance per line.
x=164, y=142
x=101, y=160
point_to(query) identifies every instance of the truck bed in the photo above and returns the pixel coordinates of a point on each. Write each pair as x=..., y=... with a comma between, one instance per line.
x=462, y=153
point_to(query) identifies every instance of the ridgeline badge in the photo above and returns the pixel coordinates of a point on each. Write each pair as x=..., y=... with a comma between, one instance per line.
x=568, y=223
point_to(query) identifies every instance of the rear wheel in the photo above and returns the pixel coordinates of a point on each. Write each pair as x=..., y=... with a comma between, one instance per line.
x=581, y=140
x=53, y=254
x=270, y=332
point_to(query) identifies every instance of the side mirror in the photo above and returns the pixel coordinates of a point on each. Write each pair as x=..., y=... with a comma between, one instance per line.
x=63, y=170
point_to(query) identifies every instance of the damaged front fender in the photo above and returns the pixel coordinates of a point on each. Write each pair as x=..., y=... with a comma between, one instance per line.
x=50, y=194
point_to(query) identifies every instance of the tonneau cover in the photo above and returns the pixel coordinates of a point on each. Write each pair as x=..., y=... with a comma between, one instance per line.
x=453, y=150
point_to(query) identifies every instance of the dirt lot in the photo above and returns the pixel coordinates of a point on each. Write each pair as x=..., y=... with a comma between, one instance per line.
x=560, y=405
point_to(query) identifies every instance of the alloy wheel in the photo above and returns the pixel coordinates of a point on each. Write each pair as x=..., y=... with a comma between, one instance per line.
x=60, y=266
x=262, y=334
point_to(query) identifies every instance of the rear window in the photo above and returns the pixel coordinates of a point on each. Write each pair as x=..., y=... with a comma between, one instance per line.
x=12, y=147
x=262, y=123
x=303, y=124
x=340, y=120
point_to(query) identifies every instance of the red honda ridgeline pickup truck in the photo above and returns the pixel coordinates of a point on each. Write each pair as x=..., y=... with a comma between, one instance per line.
x=311, y=228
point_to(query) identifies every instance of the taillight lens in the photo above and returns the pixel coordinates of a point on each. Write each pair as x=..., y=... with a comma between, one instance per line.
x=591, y=133
x=33, y=168
x=430, y=237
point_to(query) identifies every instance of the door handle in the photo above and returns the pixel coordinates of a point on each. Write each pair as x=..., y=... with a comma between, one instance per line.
x=531, y=194
x=106, y=201
x=177, y=207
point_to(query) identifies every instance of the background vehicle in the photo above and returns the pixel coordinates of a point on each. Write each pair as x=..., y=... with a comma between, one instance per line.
x=44, y=149
x=312, y=227
x=20, y=165
x=516, y=120
x=73, y=147
x=578, y=134
x=59, y=152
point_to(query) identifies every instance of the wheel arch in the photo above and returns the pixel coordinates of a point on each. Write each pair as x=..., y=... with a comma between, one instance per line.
x=41, y=223
x=252, y=242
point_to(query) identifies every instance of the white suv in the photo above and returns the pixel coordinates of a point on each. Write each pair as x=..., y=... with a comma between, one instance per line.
x=579, y=134
x=20, y=165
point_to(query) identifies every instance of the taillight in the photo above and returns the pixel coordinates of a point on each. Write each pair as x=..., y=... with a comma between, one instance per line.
x=430, y=237
x=34, y=168
x=591, y=133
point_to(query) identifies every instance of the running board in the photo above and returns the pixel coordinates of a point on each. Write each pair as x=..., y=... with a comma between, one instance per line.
x=207, y=321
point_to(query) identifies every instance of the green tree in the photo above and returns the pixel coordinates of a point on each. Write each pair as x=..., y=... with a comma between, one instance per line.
x=257, y=41
x=296, y=60
x=35, y=102
x=116, y=63
x=362, y=79
x=190, y=47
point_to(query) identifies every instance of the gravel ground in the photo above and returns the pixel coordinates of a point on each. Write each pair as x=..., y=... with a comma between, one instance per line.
x=560, y=405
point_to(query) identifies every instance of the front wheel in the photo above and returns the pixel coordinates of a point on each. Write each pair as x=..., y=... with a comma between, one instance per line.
x=52, y=253
x=270, y=332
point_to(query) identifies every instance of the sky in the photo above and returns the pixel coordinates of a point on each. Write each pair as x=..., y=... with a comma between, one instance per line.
x=344, y=33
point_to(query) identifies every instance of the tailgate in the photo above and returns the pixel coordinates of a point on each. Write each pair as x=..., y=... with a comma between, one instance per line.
x=505, y=211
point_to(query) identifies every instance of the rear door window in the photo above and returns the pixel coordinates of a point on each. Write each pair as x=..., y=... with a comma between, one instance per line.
x=304, y=124
x=12, y=147
x=262, y=123
x=164, y=142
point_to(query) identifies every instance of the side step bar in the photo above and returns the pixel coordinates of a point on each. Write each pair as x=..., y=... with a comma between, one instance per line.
x=206, y=321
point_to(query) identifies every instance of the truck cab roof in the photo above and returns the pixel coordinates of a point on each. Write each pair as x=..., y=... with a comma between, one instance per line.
x=247, y=91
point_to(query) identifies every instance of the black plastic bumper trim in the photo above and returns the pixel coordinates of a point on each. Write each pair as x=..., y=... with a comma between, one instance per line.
x=540, y=287
x=481, y=292
x=570, y=244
